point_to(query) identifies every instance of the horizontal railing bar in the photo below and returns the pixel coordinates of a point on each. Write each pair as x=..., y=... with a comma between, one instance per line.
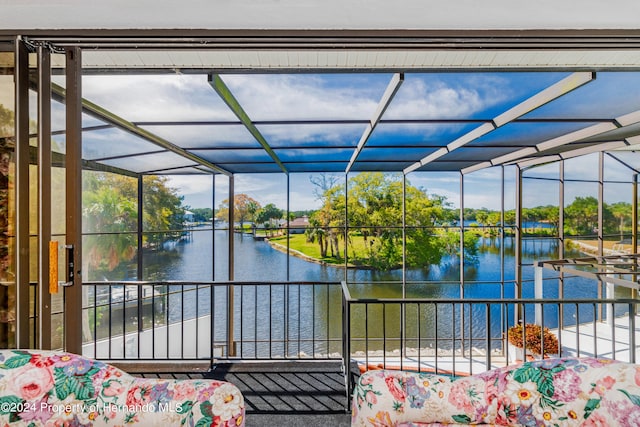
x=217, y=282
x=203, y=283
x=503, y=301
x=172, y=231
x=253, y=283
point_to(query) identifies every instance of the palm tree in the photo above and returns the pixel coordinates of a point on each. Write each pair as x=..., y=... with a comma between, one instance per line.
x=315, y=231
x=621, y=211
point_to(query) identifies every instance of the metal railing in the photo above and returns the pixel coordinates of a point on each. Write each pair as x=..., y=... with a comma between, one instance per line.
x=207, y=321
x=192, y=321
x=466, y=336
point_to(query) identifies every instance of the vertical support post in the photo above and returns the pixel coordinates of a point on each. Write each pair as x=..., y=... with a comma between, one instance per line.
x=213, y=235
x=461, y=237
x=634, y=215
x=212, y=289
x=461, y=253
x=561, y=237
x=346, y=225
x=140, y=258
x=502, y=234
x=231, y=347
x=286, y=292
x=288, y=230
x=404, y=237
x=22, y=194
x=609, y=287
x=503, y=309
x=538, y=294
x=601, y=227
x=610, y=308
x=346, y=343
x=518, y=244
x=44, y=192
x=634, y=226
x=488, y=337
x=232, y=219
x=403, y=307
x=601, y=203
x=633, y=348
x=140, y=270
x=73, y=293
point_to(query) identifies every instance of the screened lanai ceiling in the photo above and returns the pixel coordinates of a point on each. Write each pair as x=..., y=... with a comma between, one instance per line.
x=336, y=121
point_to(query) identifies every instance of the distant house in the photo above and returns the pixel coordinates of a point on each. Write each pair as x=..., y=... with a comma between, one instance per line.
x=298, y=225
x=188, y=216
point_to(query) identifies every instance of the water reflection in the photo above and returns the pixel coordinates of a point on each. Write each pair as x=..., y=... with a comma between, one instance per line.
x=287, y=320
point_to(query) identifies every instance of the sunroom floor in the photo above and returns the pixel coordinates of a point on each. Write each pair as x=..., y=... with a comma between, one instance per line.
x=283, y=393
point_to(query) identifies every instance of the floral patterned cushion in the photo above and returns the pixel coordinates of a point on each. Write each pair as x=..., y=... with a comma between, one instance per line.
x=551, y=392
x=43, y=388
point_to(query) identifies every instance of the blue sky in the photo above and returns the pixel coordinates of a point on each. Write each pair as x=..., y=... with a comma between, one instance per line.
x=176, y=97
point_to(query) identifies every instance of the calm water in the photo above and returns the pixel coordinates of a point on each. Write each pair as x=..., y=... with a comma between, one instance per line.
x=314, y=313
x=192, y=260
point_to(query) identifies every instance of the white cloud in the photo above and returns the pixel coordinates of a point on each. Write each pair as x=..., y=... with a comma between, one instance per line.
x=259, y=183
x=332, y=134
x=156, y=97
x=196, y=189
x=266, y=97
x=430, y=97
x=191, y=184
x=301, y=201
x=477, y=201
x=422, y=101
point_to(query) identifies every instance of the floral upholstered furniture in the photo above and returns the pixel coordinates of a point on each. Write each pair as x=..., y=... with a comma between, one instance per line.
x=42, y=388
x=550, y=392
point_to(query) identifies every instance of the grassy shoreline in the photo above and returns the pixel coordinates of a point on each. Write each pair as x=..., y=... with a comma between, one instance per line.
x=297, y=253
x=299, y=247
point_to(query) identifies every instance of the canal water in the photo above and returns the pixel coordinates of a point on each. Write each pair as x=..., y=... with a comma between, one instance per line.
x=280, y=320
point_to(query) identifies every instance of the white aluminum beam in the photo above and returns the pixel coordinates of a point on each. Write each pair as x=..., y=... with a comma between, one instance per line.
x=607, y=146
x=216, y=82
x=627, y=119
x=554, y=91
x=476, y=167
x=121, y=123
x=576, y=136
x=388, y=95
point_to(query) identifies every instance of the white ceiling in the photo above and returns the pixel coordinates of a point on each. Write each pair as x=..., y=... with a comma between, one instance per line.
x=319, y=14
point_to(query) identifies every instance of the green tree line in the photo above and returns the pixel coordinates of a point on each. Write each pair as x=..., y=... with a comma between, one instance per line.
x=580, y=217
